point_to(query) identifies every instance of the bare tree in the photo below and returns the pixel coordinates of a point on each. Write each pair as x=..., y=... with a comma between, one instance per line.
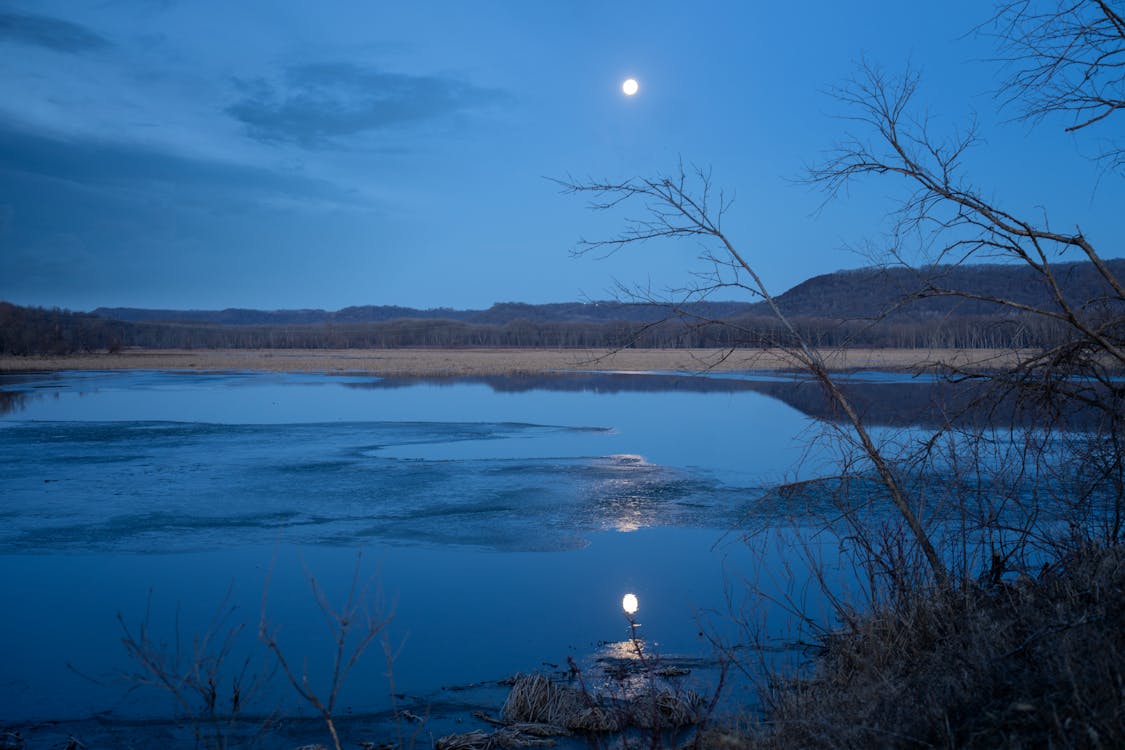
x=945, y=221
x=1065, y=58
x=943, y=211
x=684, y=206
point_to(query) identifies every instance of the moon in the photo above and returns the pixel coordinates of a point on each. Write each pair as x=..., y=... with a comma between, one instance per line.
x=630, y=87
x=629, y=604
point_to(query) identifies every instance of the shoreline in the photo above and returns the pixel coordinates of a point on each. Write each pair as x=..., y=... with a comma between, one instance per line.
x=462, y=362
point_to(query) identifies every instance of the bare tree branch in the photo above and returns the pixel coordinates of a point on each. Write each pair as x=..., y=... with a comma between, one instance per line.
x=1065, y=57
x=679, y=206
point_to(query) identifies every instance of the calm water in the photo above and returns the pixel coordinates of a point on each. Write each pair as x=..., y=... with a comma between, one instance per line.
x=502, y=519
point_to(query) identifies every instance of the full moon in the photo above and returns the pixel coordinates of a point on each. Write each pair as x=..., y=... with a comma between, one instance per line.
x=630, y=87
x=629, y=604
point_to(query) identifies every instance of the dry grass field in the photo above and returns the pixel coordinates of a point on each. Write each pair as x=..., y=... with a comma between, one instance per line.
x=430, y=362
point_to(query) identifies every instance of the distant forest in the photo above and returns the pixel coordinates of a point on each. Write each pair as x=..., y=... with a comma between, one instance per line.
x=875, y=307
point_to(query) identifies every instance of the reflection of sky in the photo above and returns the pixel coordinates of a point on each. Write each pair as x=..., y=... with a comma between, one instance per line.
x=743, y=434
x=465, y=618
x=485, y=509
x=462, y=473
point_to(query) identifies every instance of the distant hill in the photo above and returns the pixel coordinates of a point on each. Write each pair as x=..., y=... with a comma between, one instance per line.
x=499, y=314
x=857, y=294
x=836, y=309
x=871, y=292
x=244, y=317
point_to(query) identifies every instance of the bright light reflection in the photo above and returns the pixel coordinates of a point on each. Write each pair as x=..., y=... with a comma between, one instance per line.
x=629, y=490
x=629, y=603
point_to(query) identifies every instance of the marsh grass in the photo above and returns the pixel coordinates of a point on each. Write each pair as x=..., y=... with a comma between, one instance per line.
x=638, y=704
x=1029, y=662
x=536, y=698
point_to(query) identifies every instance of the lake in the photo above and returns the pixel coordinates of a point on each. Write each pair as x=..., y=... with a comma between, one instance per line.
x=500, y=520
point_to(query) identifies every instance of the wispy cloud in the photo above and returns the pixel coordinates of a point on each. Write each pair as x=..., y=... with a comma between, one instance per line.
x=324, y=102
x=124, y=164
x=52, y=33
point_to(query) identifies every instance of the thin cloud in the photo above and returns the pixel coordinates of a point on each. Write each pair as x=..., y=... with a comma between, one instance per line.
x=124, y=164
x=325, y=102
x=52, y=33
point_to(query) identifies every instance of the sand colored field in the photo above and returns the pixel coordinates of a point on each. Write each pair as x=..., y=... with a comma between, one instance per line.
x=428, y=362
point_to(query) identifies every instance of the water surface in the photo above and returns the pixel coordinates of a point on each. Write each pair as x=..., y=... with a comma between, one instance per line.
x=502, y=520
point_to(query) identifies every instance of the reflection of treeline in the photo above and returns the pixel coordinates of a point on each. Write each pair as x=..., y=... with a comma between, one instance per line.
x=916, y=402
x=35, y=331
x=12, y=401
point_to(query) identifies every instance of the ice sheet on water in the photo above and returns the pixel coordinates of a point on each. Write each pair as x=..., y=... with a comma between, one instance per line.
x=153, y=486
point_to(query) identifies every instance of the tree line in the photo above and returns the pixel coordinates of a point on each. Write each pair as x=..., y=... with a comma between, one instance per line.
x=31, y=331
x=34, y=330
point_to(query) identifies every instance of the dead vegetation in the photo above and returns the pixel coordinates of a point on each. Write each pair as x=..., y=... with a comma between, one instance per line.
x=1033, y=662
x=210, y=696
x=500, y=361
x=507, y=738
x=354, y=625
x=539, y=709
x=933, y=651
x=211, y=693
x=537, y=698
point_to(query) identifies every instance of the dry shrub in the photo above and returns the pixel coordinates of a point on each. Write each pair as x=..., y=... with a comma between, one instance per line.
x=539, y=730
x=554, y=708
x=1030, y=663
x=507, y=738
x=537, y=699
x=474, y=740
x=665, y=709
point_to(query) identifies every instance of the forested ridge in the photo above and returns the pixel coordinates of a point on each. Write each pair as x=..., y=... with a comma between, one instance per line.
x=879, y=307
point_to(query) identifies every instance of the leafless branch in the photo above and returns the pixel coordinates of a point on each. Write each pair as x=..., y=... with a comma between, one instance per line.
x=681, y=206
x=1064, y=57
x=360, y=619
x=194, y=677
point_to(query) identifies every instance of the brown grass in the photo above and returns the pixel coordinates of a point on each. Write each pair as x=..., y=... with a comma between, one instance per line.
x=1030, y=663
x=538, y=699
x=506, y=738
x=429, y=362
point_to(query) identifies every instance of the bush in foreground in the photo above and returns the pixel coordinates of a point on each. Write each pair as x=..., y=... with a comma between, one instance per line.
x=1027, y=663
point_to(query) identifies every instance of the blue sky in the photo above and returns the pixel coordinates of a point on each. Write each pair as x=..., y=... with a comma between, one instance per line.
x=318, y=155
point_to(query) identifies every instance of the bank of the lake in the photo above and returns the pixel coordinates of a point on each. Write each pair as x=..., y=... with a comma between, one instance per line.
x=429, y=362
